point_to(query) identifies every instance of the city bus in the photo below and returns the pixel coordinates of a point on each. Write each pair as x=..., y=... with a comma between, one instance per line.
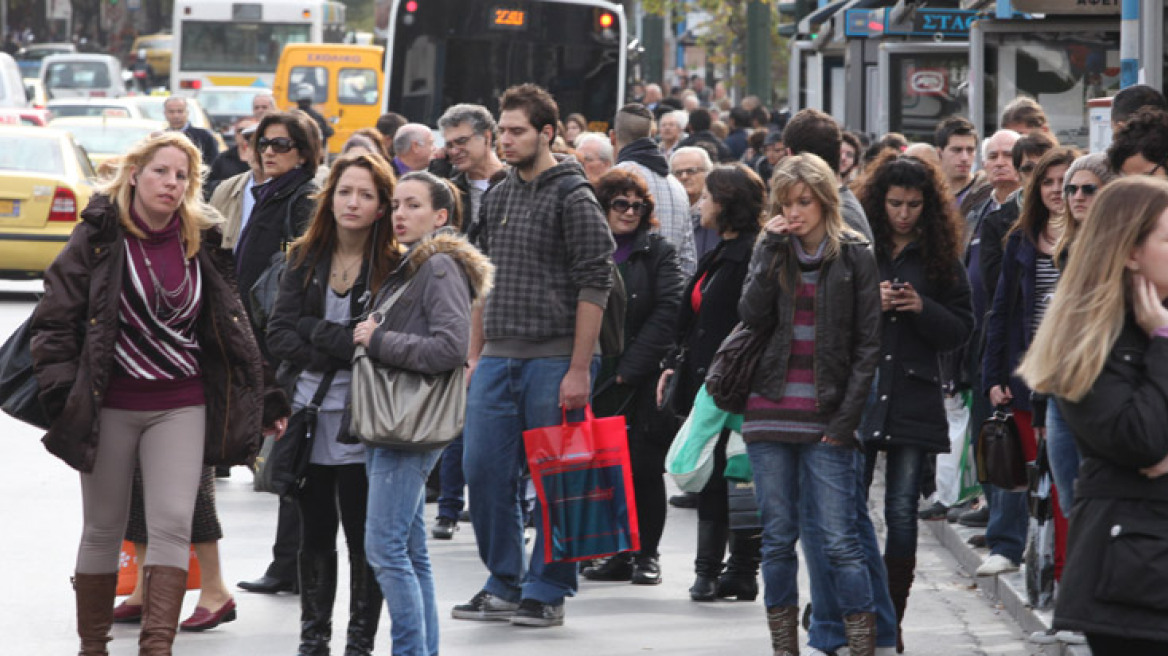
x=233, y=43
x=443, y=52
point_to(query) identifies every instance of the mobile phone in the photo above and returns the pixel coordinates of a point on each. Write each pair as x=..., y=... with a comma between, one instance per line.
x=897, y=286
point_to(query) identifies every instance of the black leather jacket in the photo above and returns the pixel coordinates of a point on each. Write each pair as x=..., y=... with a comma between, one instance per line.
x=847, y=326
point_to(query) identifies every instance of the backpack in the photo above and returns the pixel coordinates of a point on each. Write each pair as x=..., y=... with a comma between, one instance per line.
x=612, y=325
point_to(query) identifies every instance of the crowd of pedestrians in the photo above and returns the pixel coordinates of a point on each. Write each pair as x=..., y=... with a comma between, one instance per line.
x=901, y=295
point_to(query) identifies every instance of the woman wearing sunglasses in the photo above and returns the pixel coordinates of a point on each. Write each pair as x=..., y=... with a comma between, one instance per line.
x=287, y=149
x=626, y=385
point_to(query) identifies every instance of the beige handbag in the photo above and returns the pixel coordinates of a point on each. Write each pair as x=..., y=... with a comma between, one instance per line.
x=404, y=409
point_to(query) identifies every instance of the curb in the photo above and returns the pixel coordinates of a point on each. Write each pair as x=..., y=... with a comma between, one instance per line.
x=1007, y=589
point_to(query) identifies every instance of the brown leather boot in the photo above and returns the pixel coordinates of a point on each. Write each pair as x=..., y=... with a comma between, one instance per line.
x=860, y=630
x=162, y=596
x=95, y=611
x=900, y=580
x=784, y=625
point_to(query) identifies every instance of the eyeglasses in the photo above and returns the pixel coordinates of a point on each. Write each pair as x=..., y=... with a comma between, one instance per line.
x=682, y=173
x=1027, y=168
x=460, y=142
x=280, y=145
x=1087, y=189
x=621, y=206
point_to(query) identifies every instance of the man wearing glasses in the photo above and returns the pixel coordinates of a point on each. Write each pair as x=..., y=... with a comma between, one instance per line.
x=690, y=166
x=1140, y=147
x=469, y=133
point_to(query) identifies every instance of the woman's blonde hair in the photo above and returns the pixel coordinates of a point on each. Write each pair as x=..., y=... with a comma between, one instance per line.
x=195, y=216
x=1087, y=313
x=811, y=171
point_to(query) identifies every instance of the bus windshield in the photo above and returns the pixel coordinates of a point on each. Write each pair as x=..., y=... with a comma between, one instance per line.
x=237, y=47
x=457, y=51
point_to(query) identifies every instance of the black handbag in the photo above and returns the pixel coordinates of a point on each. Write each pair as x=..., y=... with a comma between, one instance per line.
x=1000, y=459
x=19, y=390
x=266, y=288
x=732, y=369
x=282, y=465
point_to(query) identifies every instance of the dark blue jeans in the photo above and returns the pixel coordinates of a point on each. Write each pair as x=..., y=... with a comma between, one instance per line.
x=1009, y=522
x=450, y=498
x=827, y=628
x=826, y=476
x=506, y=397
x=1064, y=457
x=902, y=488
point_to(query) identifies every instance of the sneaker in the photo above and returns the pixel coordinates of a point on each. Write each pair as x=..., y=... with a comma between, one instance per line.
x=996, y=564
x=444, y=528
x=978, y=518
x=1047, y=637
x=485, y=607
x=537, y=613
x=935, y=512
x=1071, y=637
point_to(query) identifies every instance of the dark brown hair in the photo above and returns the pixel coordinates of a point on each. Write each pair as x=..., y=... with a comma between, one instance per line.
x=304, y=135
x=539, y=106
x=621, y=181
x=1035, y=215
x=740, y=193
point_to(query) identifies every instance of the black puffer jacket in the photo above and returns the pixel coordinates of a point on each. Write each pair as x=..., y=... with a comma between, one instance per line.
x=909, y=404
x=75, y=327
x=847, y=326
x=1116, y=577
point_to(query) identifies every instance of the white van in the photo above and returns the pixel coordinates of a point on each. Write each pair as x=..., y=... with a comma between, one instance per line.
x=82, y=76
x=12, y=92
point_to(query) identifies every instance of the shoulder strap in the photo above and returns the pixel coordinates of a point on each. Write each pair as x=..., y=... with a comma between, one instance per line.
x=567, y=185
x=322, y=390
x=289, y=232
x=383, y=309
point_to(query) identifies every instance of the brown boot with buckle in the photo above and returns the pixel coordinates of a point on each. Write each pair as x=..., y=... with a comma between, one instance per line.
x=860, y=630
x=783, y=622
x=162, y=597
x=95, y=611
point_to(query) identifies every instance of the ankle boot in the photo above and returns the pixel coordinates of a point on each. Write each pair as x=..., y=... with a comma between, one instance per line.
x=162, y=596
x=364, y=606
x=95, y=611
x=318, y=590
x=783, y=622
x=900, y=579
x=741, y=576
x=860, y=631
x=708, y=563
x=618, y=567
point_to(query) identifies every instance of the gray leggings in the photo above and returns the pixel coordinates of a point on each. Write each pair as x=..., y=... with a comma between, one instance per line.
x=169, y=446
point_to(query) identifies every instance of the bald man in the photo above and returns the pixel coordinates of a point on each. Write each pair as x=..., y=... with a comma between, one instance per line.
x=412, y=144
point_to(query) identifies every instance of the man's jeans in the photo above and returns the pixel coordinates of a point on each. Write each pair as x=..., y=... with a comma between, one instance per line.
x=508, y=396
x=827, y=628
x=826, y=476
x=395, y=544
x=450, y=499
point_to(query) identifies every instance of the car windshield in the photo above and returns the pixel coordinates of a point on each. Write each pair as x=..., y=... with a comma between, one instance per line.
x=234, y=103
x=110, y=111
x=78, y=75
x=155, y=110
x=31, y=155
x=108, y=139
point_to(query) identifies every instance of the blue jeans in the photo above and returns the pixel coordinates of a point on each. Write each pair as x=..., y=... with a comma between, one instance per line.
x=450, y=499
x=508, y=396
x=827, y=628
x=902, y=487
x=1063, y=455
x=826, y=476
x=1009, y=522
x=395, y=544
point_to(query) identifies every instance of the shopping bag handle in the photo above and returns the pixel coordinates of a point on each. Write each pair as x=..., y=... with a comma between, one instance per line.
x=587, y=415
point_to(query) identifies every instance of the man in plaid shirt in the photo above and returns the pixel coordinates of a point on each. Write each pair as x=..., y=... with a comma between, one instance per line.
x=534, y=348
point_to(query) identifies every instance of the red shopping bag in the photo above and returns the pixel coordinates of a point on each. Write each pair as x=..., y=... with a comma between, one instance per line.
x=128, y=570
x=584, y=481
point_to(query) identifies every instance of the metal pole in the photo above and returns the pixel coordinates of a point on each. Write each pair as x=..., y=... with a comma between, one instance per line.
x=1152, y=50
x=758, y=50
x=977, y=76
x=1129, y=44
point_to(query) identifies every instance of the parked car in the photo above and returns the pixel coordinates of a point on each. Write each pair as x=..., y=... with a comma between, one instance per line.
x=104, y=138
x=24, y=116
x=82, y=76
x=31, y=57
x=12, y=93
x=45, y=182
x=157, y=48
x=226, y=105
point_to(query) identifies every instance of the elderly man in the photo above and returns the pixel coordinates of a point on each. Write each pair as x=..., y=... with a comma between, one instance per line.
x=178, y=120
x=262, y=104
x=594, y=150
x=690, y=166
x=670, y=128
x=412, y=144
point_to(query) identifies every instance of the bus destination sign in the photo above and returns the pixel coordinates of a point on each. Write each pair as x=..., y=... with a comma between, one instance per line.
x=508, y=18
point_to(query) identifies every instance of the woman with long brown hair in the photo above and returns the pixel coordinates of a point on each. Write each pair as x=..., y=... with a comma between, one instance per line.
x=334, y=269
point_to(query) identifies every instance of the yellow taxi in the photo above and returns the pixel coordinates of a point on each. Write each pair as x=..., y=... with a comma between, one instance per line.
x=103, y=137
x=158, y=49
x=45, y=182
